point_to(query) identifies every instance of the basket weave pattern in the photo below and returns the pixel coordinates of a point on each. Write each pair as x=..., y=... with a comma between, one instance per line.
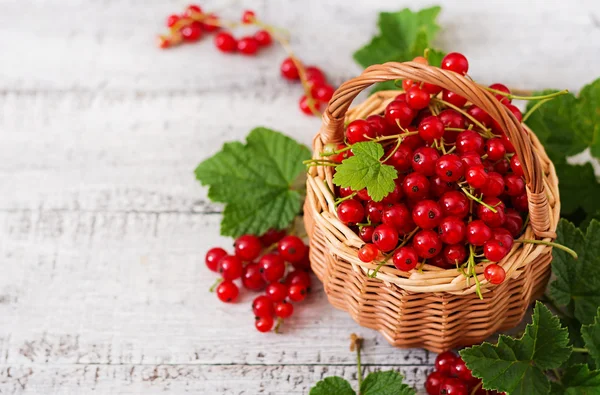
x=433, y=308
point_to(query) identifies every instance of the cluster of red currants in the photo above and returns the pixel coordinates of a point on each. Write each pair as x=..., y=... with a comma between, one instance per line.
x=460, y=194
x=316, y=84
x=260, y=263
x=452, y=377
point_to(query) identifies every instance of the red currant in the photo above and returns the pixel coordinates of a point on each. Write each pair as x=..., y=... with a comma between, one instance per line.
x=456, y=62
x=510, y=148
x=378, y=123
x=213, y=256
x=284, y=309
x=454, y=254
x=415, y=186
x=191, y=32
x=461, y=371
x=453, y=386
x=272, y=267
x=417, y=98
x=230, y=267
x=297, y=293
x=407, y=84
x=323, y=92
x=515, y=111
x=374, y=211
x=431, y=89
x=494, y=250
x=264, y=324
x=398, y=216
x=520, y=203
x=452, y=119
x=471, y=159
x=385, y=237
x=172, y=19
x=402, y=158
x=368, y=253
x=495, y=149
x=227, y=291
x=427, y=214
x=247, y=45
x=263, y=306
x=438, y=186
x=305, y=106
x=479, y=115
x=452, y=230
x=289, y=70
x=413, y=141
x=434, y=382
x=494, y=185
x=431, y=128
x=476, y=176
x=405, y=259
x=494, y=273
x=292, y=249
x=225, y=42
x=304, y=263
x=454, y=98
x=399, y=113
x=515, y=165
x=192, y=10
x=359, y=130
x=438, y=261
x=271, y=237
x=492, y=219
x=298, y=277
x=263, y=38
x=427, y=243
x=277, y=292
x=514, y=185
x=350, y=212
x=449, y=167
x=366, y=233
x=513, y=223
x=454, y=203
x=248, y=17
x=504, y=236
x=478, y=233
x=444, y=362
x=396, y=194
x=252, y=278
x=211, y=23
x=424, y=160
x=502, y=166
x=469, y=141
x=247, y=247
x=501, y=88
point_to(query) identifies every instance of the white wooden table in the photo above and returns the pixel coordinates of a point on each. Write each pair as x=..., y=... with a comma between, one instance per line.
x=103, y=228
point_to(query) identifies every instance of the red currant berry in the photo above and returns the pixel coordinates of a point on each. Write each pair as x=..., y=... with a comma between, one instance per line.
x=503, y=235
x=277, y=292
x=298, y=277
x=230, y=267
x=431, y=88
x=385, y=237
x=263, y=306
x=514, y=185
x=396, y=194
x=501, y=88
x=405, y=259
x=191, y=32
x=452, y=230
x=399, y=113
x=494, y=185
x=292, y=249
x=264, y=324
x=424, y=160
x=363, y=195
x=456, y=62
x=225, y=42
x=374, y=212
x=284, y=309
x=323, y=93
x=350, y=212
x=444, y=362
x=192, y=10
x=476, y=176
x=172, y=19
x=366, y=233
x=454, y=203
x=417, y=98
x=492, y=219
x=247, y=45
x=515, y=165
x=454, y=254
x=213, y=256
x=494, y=250
x=495, y=149
x=272, y=267
x=452, y=119
x=520, y=203
x=271, y=237
x=449, y=168
x=252, y=278
x=359, y=130
x=469, y=141
x=398, y=216
x=211, y=23
x=453, y=386
x=515, y=111
x=494, y=273
x=427, y=244
x=438, y=186
x=461, y=371
x=248, y=17
x=434, y=382
x=454, y=98
x=478, y=233
x=407, y=84
x=502, y=166
x=368, y=253
x=401, y=159
x=305, y=106
x=513, y=223
x=479, y=115
x=336, y=157
x=378, y=123
x=471, y=159
x=227, y=291
x=438, y=261
x=415, y=186
x=431, y=128
x=263, y=38
x=247, y=247
x=427, y=214
x=289, y=70
x=297, y=293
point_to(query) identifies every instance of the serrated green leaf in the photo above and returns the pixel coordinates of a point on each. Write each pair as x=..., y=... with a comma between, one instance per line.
x=588, y=116
x=579, y=188
x=385, y=383
x=517, y=366
x=591, y=337
x=332, y=386
x=365, y=170
x=256, y=181
x=578, y=380
x=578, y=280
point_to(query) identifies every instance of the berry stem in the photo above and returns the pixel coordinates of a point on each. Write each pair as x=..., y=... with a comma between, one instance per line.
x=472, y=271
x=278, y=325
x=486, y=131
x=392, y=152
x=339, y=200
x=356, y=345
x=476, y=388
x=549, y=243
x=510, y=96
x=476, y=199
x=335, y=152
x=391, y=254
x=215, y=285
x=535, y=107
x=581, y=350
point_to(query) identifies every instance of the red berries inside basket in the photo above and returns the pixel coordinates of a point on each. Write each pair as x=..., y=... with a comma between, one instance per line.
x=275, y=265
x=459, y=198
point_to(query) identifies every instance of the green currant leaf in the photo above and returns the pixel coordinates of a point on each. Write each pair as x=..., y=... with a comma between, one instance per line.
x=577, y=280
x=517, y=366
x=385, y=383
x=591, y=337
x=256, y=181
x=579, y=189
x=588, y=116
x=578, y=380
x=365, y=170
x=332, y=386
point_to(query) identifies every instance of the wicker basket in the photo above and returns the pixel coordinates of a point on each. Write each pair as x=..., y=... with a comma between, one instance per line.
x=435, y=308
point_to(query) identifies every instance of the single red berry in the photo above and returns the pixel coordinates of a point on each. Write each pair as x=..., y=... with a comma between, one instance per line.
x=494, y=250
x=513, y=223
x=272, y=236
x=417, y=98
x=471, y=159
x=431, y=88
x=272, y=267
x=427, y=243
x=225, y=42
x=292, y=248
x=363, y=195
x=399, y=113
x=323, y=93
x=401, y=159
x=407, y=84
x=252, y=278
x=263, y=38
x=424, y=160
x=366, y=233
x=396, y=194
x=211, y=23
x=438, y=186
x=289, y=70
x=359, y=130
x=213, y=256
x=297, y=293
x=431, y=128
x=495, y=149
x=345, y=192
x=520, y=203
x=470, y=141
x=413, y=141
x=454, y=203
x=191, y=32
x=368, y=253
x=476, y=176
x=192, y=10
x=405, y=259
x=453, y=98
x=374, y=212
x=264, y=324
x=378, y=123
x=314, y=76
x=304, y=263
x=398, y=216
x=454, y=386
x=479, y=115
x=298, y=277
x=227, y=291
x=263, y=306
x=247, y=247
x=454, y=254
x=444, y=362
x=501, y=88
x=503, y=235
x=494, y=185
x=456, y=62
x=277, y=292
x=172, y=19
x=478, y=232
x=449, y=167
x=385, y=237
x=415, y=186
x=438, y=261
x=247, y=45
x=515, y=165
x=284, y=309
x=305, y=106
x=248, y=17
x=502, y=166
x=515, y=111
x=434, y=382
x=461, y=371
x=492, y=219
x=452, y=119
x=230, y=267
x=452, y=230
x=514, y=185
x=427, y=214
x=350, y=212
x=494, y=273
